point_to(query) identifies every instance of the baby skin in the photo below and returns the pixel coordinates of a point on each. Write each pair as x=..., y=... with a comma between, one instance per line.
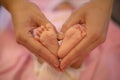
x=71, y=38
x=48, y=37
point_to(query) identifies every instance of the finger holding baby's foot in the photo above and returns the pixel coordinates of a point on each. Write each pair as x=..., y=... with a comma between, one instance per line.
x=48, y=37
x=60, y=36
x=71, y=38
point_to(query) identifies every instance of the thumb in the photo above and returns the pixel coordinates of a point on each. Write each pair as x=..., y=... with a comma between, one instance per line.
x=76, y=18
x=42, y=20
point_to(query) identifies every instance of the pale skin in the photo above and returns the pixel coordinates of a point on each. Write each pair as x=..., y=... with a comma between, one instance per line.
x=46, y=35
x=71, y=38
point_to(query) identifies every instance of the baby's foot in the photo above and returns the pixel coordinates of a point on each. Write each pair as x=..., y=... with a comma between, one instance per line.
x=71, y=38
x=48, y=37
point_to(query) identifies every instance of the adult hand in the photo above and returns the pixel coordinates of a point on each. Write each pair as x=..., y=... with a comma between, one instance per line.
x=27, y=16
x=95, y=17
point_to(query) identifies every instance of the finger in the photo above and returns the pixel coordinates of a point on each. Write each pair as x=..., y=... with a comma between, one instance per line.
x=75, y=18
x=40, y=60
x=70, y=22
x=42, y=20
x=34, y=46
x=83, y=47
x=78, y=63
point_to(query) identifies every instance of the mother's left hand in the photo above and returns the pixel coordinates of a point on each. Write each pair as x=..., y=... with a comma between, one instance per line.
x=95, y=15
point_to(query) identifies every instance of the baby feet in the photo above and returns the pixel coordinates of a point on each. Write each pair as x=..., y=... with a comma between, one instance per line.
x=47, y=36
x=71, y=38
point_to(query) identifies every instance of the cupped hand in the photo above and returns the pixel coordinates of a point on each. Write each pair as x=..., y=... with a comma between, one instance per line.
x=26, y=17
x=95, y=18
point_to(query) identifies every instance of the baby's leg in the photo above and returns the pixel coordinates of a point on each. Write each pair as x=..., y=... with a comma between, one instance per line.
x=48, y=37
x=71, y=38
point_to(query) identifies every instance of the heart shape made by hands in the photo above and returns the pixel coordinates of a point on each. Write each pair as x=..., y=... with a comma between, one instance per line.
x=48, y=37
